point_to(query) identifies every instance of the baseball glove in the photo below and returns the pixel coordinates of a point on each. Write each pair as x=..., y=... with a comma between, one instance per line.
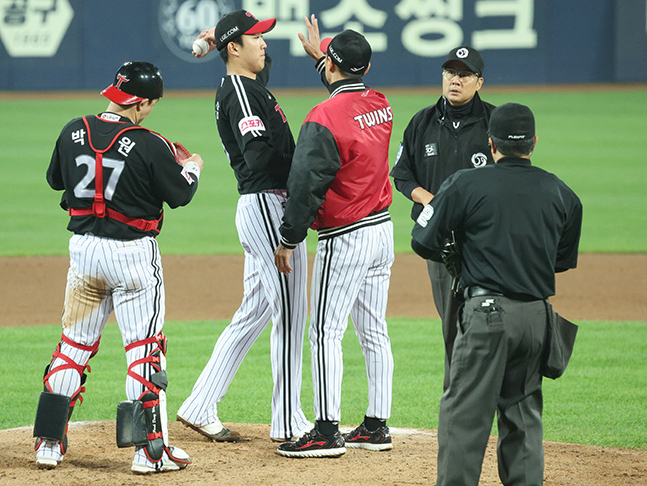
x=181, y=153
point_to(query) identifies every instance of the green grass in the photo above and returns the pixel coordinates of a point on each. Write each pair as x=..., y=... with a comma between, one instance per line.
x=601, y=399
x=593, y=140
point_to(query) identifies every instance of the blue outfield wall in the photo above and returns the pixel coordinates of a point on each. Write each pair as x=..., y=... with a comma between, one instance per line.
x=79, y=44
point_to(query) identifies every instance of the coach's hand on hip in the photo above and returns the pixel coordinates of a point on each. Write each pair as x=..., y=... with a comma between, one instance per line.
x=282, y=259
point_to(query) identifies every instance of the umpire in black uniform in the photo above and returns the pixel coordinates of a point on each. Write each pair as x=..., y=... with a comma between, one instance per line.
x=441, y=139
x=516, y=225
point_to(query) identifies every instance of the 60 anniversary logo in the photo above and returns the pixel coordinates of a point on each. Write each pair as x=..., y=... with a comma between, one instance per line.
x=180, y=22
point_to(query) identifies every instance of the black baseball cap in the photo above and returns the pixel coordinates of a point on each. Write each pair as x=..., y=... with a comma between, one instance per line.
x=134, y=82
x=239, y=22
x=512, y=122
x=349, y=50
x=468, y=56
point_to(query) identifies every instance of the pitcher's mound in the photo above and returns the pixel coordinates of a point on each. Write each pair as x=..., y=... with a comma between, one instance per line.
x=93, y=458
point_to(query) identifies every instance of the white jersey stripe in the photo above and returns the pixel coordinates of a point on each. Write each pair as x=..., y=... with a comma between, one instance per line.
x=242, y=95
x=242, y=99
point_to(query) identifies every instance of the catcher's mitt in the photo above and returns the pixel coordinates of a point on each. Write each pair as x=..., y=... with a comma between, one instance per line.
x=181, y=153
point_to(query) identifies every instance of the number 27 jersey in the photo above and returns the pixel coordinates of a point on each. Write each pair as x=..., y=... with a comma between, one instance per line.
x=140, y=173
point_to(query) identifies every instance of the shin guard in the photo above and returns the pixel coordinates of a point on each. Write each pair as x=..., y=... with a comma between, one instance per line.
x=146, y=417
x=54, y=409
x=52, y=416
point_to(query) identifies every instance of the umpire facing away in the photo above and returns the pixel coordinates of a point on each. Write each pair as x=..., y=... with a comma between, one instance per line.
x=516, y=225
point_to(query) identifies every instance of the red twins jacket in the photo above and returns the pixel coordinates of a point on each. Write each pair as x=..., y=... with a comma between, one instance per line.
x=340, y=169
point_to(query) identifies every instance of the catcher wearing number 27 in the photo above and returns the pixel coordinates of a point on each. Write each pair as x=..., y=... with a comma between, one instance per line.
x=115, y=176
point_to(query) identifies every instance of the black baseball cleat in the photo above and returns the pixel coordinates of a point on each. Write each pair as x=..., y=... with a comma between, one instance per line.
x=314, y=444
x=362, y=438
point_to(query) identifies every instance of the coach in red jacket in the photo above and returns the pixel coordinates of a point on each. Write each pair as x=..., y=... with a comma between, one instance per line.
x=339, y=185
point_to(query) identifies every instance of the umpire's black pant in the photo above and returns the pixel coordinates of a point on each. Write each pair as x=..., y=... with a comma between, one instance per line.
x=494, y=368
x=447, y=306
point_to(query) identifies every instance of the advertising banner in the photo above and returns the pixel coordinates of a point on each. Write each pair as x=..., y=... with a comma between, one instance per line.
x=75, y=44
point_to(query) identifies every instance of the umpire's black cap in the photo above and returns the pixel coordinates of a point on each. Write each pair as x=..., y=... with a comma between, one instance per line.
x=134, y=82
x=512, y=122
x=349, y=50
x=468, y=56
x=239, y=22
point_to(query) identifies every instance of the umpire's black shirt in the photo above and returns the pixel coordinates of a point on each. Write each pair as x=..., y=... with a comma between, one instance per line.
x=432, y=149
x=517, y=225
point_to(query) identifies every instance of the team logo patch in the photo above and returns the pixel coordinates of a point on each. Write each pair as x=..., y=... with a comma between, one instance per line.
x=250, y=123
x=425, y=216
x=431, y=149
x=479, y=159
x=462, y=53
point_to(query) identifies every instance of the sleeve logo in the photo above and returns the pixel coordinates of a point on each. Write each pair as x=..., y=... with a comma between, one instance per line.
x=250, y=123
x=187, y=176
x=425, y=215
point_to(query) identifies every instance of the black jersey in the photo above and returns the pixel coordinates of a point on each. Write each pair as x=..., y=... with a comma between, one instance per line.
x=432, y=149
x=247, y=113
x=516, y=224
x=140, y=173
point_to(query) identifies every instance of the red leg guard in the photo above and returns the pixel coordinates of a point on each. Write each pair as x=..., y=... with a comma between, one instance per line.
x=70, y=364
x=154, y=407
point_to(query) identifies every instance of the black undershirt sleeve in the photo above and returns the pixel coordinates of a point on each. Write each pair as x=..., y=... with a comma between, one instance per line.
x=425, y=252
x=261, y=157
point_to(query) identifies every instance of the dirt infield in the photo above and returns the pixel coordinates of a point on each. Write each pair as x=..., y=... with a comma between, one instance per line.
x=254, y=462
x=606, y=287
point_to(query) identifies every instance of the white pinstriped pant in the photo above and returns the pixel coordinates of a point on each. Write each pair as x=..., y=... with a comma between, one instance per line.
x=268, y=296
x=106, y=275
x=351, y=276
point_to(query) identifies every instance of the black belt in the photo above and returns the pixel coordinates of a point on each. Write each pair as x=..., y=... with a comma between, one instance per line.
x=476, y=291
x=280, y=192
